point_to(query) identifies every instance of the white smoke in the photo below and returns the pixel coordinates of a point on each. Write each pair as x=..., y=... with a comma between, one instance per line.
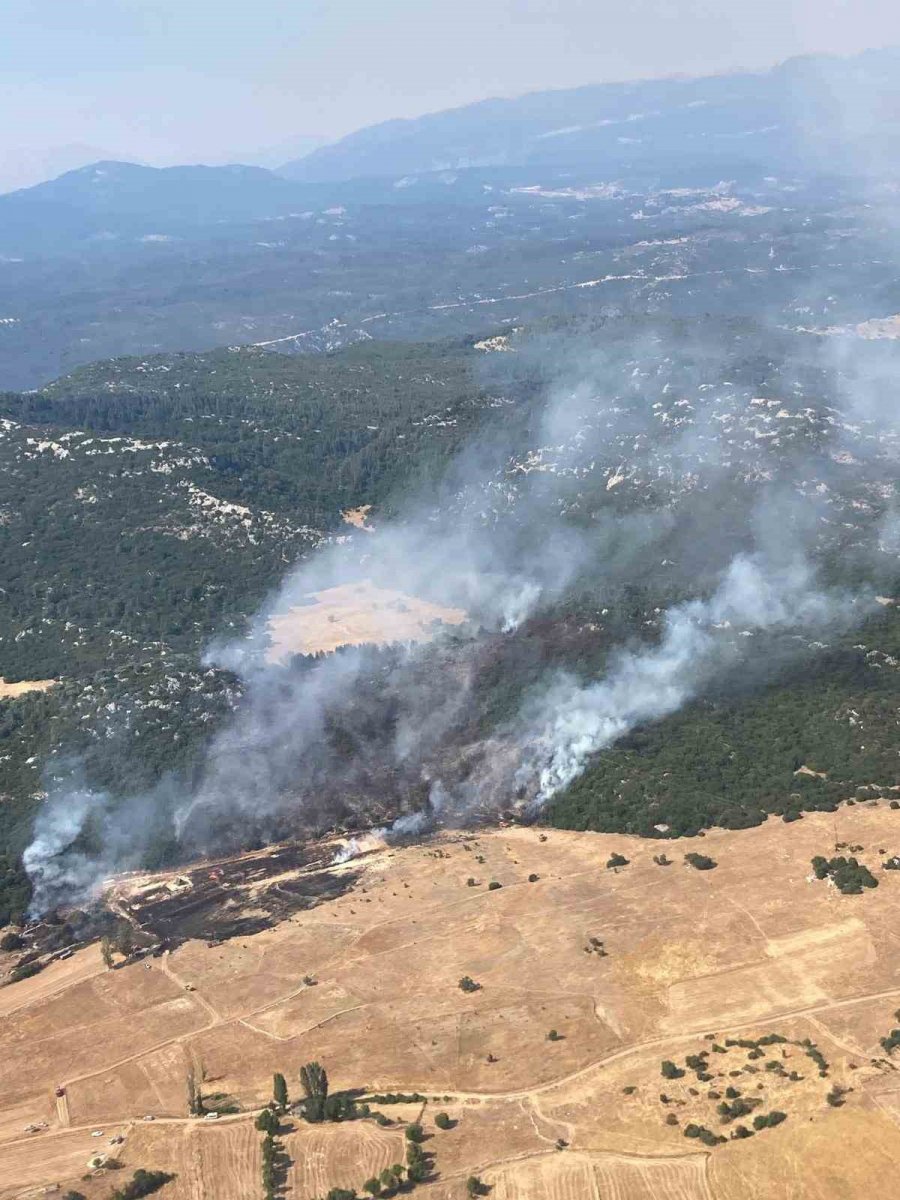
x=54, y=868
x=574, y=721
x=508, y=535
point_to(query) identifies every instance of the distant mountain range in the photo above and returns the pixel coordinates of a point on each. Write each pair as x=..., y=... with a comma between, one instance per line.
x=814, y=112
x=397, y=232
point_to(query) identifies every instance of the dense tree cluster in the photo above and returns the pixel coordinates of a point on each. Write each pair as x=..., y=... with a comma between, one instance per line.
x=848, y=874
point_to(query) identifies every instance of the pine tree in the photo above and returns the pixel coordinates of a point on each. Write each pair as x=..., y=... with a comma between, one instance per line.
x=279, y=1090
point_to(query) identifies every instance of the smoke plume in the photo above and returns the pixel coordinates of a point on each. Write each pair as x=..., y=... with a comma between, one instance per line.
x=646, y=463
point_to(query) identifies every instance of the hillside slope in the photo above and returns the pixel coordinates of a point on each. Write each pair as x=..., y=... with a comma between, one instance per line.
x=805, y=114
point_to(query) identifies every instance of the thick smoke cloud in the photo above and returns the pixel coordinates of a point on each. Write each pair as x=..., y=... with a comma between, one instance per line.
x=643, y=460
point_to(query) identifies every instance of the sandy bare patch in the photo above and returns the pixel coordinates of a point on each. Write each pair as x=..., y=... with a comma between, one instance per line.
x=358, y=517
x=9, y=691
x=356, y=614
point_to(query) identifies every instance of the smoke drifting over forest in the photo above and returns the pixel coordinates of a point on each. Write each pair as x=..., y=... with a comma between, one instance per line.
x=642, y=461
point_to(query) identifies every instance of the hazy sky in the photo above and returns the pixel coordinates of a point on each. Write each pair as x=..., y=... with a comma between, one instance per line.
x=209, y=80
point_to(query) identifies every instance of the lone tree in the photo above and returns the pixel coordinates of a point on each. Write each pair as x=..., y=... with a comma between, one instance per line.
x=279, y=1090
x=106, y=951
x=194, y=1095
x=314, y=1082
x=125, y=940
x=267, y=1122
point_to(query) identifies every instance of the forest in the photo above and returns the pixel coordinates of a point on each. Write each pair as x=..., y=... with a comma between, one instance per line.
x=150, y=504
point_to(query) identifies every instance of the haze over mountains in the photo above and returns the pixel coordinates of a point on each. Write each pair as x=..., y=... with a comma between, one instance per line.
x=420, y=228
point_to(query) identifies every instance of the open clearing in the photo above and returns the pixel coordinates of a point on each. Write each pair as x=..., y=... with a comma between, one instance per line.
x=9, y=691
x=355, y=614
x=746, y=977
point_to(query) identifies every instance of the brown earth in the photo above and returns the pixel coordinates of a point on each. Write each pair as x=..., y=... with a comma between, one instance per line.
x=355, y=614
x=693, y=963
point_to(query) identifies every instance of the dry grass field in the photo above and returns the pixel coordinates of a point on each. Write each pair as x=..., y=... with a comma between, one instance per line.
x=747, y=978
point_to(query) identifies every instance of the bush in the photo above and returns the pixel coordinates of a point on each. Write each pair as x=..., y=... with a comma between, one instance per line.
x=616, y=860
x=443, y=1121
x=533, y=878
x=493, y=885
x=700, y=862
x=267, y=1122
x=554, y=1036
x=142, y=1183
x=668, y=1070
x=25, y=971
x=467, y=984
x=769, y=1120
x=11, y=941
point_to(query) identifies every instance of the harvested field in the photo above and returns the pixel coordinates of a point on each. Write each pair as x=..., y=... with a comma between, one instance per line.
x=339, y=1156
x=356, y=614
x=754, y=977
x=611, y=1177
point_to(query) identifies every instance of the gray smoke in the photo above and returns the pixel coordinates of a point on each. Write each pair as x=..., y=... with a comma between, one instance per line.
x=640, y=464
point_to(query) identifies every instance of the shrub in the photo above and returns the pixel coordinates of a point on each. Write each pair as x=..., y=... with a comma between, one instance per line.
x=443, y=1121
x=11, y=941
x=25, y=971
x=494, y=885
x=700, y=862
x=467, y=984
x=668, y=1070
x=533, y=878
x=617, y=860
x=769, y=1120
x=142, y=1183
x=554, y=1036
x=267, y=1122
